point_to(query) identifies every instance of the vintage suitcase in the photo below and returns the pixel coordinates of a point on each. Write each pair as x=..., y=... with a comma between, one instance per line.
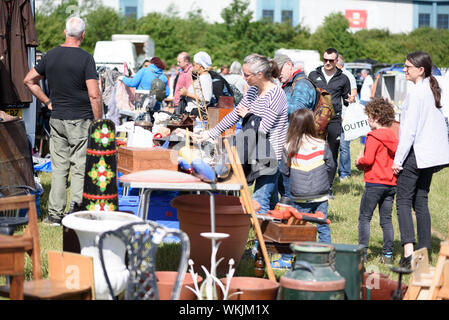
x=138, y=159
x=283, y=233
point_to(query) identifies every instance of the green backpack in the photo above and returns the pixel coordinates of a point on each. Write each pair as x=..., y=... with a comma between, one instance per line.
x=158, y=89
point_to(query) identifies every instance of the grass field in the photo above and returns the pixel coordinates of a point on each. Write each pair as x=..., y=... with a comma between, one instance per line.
x=343, y=213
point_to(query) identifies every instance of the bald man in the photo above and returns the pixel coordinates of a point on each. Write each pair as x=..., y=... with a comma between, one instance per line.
x=75, y=101
x=182, y=80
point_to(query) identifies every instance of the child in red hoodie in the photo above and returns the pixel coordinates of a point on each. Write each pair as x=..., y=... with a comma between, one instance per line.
x=380, y=182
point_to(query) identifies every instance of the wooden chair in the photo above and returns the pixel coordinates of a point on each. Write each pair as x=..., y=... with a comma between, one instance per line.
x=427, y=282
x=12, y=257
x=30, y=238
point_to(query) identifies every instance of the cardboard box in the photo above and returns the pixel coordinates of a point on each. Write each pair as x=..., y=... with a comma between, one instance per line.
x=283, y=233
x=139, y=159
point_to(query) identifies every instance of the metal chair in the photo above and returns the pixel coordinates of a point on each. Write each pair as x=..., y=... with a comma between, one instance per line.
x=142, y=240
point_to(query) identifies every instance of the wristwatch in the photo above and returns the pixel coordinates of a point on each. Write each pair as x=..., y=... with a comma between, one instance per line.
x=47, y=103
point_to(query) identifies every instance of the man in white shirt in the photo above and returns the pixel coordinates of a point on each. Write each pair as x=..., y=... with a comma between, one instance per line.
x=365, y=92
x=344, y=164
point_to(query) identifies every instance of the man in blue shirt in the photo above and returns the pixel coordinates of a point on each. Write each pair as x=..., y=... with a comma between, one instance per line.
x=299, y=90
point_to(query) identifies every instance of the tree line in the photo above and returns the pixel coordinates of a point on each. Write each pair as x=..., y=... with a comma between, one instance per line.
x=238, y=35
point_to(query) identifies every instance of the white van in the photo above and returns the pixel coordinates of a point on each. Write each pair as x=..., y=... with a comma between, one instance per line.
x=114, y=54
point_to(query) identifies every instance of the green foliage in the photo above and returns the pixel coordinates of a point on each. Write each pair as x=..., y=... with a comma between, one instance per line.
x=237, y=36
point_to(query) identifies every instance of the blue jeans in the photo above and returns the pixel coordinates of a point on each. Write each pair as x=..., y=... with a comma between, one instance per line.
x=324, y=231
x=266, y=192
x=344, y=165
x=284, y=185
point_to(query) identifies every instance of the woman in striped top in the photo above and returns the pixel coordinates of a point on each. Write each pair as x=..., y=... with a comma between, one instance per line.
x=266, y=100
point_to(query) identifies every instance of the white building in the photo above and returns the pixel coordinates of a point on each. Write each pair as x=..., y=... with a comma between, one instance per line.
x=394, y=15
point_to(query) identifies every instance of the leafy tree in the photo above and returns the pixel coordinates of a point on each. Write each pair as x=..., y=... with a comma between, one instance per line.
x=335, y=33
x=101, y=23
x=237, y=36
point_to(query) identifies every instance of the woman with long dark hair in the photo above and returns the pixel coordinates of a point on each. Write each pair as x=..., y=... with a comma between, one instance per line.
x=423, y=148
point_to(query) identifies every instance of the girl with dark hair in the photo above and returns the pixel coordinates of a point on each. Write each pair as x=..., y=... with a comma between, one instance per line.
x=423, y=148
x=307, y=161
x=267, y=101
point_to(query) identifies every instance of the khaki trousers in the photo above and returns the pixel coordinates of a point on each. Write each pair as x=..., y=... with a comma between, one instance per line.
x=68, y=143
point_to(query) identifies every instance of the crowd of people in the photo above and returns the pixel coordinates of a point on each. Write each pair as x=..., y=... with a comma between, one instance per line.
x=278, y=100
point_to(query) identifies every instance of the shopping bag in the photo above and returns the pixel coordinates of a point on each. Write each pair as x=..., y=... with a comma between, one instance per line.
x=355, y=122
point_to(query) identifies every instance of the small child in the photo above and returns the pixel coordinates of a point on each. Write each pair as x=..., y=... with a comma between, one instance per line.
x=307, y=161
x=380, y=182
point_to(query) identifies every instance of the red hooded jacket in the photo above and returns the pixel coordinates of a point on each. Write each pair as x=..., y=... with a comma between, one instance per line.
x=378, y=157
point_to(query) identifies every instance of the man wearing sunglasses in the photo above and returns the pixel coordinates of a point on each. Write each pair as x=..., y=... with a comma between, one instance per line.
x=332, y=79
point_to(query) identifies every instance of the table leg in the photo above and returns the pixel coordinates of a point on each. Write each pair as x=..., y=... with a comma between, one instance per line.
x=212, y=215
x=144, y=204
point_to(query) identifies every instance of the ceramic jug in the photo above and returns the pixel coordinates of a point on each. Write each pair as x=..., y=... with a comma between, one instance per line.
x=313, y=275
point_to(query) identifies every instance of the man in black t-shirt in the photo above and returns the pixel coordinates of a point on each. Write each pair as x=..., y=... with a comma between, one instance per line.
x=75, y=101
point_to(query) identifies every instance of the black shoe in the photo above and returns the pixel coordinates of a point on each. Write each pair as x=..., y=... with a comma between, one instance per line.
x=406, y=262
x=73, y=207
x=54, y=221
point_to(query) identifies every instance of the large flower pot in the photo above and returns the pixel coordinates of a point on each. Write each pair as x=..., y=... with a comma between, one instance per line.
x=230, y=218
x=166, y=282
x=252, y=288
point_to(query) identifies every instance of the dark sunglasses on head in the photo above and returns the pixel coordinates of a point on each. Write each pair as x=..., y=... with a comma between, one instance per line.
x=328, y=60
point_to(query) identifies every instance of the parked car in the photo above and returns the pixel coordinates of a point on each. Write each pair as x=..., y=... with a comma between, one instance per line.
x=398, y=67
x=356, y=69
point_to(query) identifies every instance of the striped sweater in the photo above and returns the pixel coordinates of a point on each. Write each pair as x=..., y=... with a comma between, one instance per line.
x=309, y=172
x=272, y=108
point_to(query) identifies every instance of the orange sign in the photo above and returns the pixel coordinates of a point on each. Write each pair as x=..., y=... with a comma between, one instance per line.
x=356, y=18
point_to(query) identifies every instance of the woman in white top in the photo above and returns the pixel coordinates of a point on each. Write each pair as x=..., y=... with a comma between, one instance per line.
x=423, y=148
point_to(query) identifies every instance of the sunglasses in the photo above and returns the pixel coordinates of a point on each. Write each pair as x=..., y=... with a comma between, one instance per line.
x=328, y=60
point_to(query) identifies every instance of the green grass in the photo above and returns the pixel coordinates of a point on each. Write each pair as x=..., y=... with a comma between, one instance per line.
x=343, y=213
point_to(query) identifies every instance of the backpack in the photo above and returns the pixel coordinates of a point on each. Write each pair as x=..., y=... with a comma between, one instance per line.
x=158, y=89
x=323, y=110
x=238, y=96
x=220, y=87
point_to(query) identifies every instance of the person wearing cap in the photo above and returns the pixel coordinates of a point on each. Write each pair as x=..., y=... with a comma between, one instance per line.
x=299, y=90
x=300, y=94
x=203, y=94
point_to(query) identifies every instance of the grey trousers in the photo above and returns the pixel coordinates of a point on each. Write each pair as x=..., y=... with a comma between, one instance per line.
x=68, y=144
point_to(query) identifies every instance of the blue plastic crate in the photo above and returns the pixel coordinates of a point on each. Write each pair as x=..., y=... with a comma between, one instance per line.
x=128, y=203
x=160, y=208
x=37, y=196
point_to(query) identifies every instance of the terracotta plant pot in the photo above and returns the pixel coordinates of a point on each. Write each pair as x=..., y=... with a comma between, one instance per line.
x=166, y=282
x=252, y=288
x=230, y=218
x=382, y=286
